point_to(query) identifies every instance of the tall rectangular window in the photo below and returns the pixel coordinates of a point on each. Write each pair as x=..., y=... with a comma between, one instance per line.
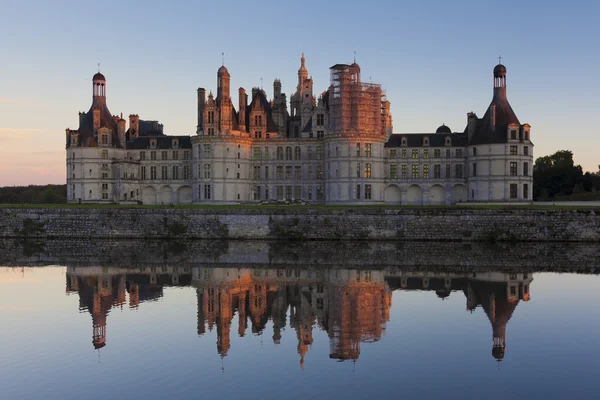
x=298, y=172
x=175, y=155
x=513, y=191
x=425, y=153
x=288, y=193
x=256, y=192
x=415, y=153
x=297, y=192
x=310, y=172
x=280, y=172
x=404, y=171
x=309, y=192
x=458, y=173
x=153, y=172
x=437, y=171
x=513, y=150
x=525, y=150
x=437, y=153
x=320, y=119
x=368, y=148
x=297, y=153
x=474, y=169
x=368, y=192
x=175, y=172
x=105, y=154
x=448, y=171
x=357, y=149
x=163, y=155
x=186, y=172
x=447, y=153
x=143, y=172
x=415, y=171
x=393, y=171
x=513, y=169
x=206, y=192
x=257, y=153
x=403, y=153
x=525, y=169
x=393, y=153
x=320, y=174
x=320, y=193
x=164, y=172
x=288, y=172
x=309, y=152
x=367, y=170
x=426, y=171
x=474, y=151
x=319, y=152
x=187, y=154
x=266, y=153
x=358, y=192
x=153, y=155
x=525, y=191
x=358, y=170
x=266, y=172
x=207, y=151
x=142, y=155
x=206, y=171
x=279, y=192
x=513, y=134
x=256, y=170
x=459, y=153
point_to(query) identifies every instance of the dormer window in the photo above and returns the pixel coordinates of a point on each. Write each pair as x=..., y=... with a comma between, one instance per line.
x=73, y=139
x=448, y=141
x=513, y=134
x=105, y=139
x=175, y=143
x=403, y=141
x=153, y=144
x=425, y=141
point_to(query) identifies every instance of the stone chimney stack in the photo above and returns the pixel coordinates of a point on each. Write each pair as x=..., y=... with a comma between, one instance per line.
x=122, y=127
x=134, y=126
x=201, y=104
x=242, y=102
x=471, y=124
x=82, y=116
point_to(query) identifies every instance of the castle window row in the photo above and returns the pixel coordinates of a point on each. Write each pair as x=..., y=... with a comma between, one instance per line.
x=424, y=153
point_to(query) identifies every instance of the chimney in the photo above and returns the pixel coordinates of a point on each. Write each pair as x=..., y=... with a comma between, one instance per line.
x=121, y=124
x=82, y=116
x=242, y=101
x=201, y=103
x=96, y=112
x=471, y=124
x=493, y=116
x=134, y=126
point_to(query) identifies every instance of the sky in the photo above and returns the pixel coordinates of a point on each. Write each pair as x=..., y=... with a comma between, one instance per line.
x=433, y=58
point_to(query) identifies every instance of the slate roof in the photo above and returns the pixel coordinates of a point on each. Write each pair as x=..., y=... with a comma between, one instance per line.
x=162, y=142
x=484, y=132
x=87, y=135
x=435, y=139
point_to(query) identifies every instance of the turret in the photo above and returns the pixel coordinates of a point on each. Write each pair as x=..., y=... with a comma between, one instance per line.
x=98, y=89
x=471, y=124
x=121, y=128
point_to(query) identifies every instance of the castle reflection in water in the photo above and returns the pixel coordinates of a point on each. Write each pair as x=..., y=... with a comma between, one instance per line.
x=351, y=305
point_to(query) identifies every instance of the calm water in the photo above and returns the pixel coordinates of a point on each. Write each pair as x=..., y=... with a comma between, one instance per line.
x=296, y=333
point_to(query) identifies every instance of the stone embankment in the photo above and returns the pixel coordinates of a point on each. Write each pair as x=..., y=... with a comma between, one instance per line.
x=426, y=224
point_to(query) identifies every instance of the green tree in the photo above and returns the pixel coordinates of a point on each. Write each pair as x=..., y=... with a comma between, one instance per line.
x=556, y=174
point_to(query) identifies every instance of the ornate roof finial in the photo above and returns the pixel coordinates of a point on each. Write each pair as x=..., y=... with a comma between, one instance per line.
x=98, y=67
x=499, y=59
x=222, y=59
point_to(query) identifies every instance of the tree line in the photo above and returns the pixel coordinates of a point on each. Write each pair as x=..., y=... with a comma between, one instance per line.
x=33, y=194
x=556, y=177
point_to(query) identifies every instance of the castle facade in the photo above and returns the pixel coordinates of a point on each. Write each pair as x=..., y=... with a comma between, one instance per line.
x=334, y=148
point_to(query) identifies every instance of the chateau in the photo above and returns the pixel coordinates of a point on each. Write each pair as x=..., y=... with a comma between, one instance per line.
x=333, y=148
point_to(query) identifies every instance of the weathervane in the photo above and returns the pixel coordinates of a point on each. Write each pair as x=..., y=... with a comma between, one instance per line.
x=499, y=59
x=98, y=67
x=223, y=58
x=354, y=56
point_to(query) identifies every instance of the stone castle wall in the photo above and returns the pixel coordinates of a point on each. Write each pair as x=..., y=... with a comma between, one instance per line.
x=428, y=224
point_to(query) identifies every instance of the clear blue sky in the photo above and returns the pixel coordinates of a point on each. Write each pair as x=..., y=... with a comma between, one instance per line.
x=434, y=58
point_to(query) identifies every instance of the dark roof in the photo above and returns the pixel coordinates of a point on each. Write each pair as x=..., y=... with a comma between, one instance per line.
x=485, y=133
x=98, y=77
x=259, y=96
x=308, y=127
x=435, y=140
x=222, y=70
x=499, y=70
x=162, y=142
x=88, y=136
x=443, y=129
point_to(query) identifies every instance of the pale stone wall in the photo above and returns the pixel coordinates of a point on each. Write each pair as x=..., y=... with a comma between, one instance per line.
x=307, y=224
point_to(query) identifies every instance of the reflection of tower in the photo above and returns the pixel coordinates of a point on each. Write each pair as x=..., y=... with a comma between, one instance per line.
x=224, y=318
x=279, y=312
x=499, y=299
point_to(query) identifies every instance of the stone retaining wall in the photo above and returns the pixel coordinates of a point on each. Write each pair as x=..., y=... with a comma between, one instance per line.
x=305, y=224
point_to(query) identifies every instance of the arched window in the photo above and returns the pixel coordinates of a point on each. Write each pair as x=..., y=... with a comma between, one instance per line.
x=297, y=153
x=288, y=153
x=280, y=153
